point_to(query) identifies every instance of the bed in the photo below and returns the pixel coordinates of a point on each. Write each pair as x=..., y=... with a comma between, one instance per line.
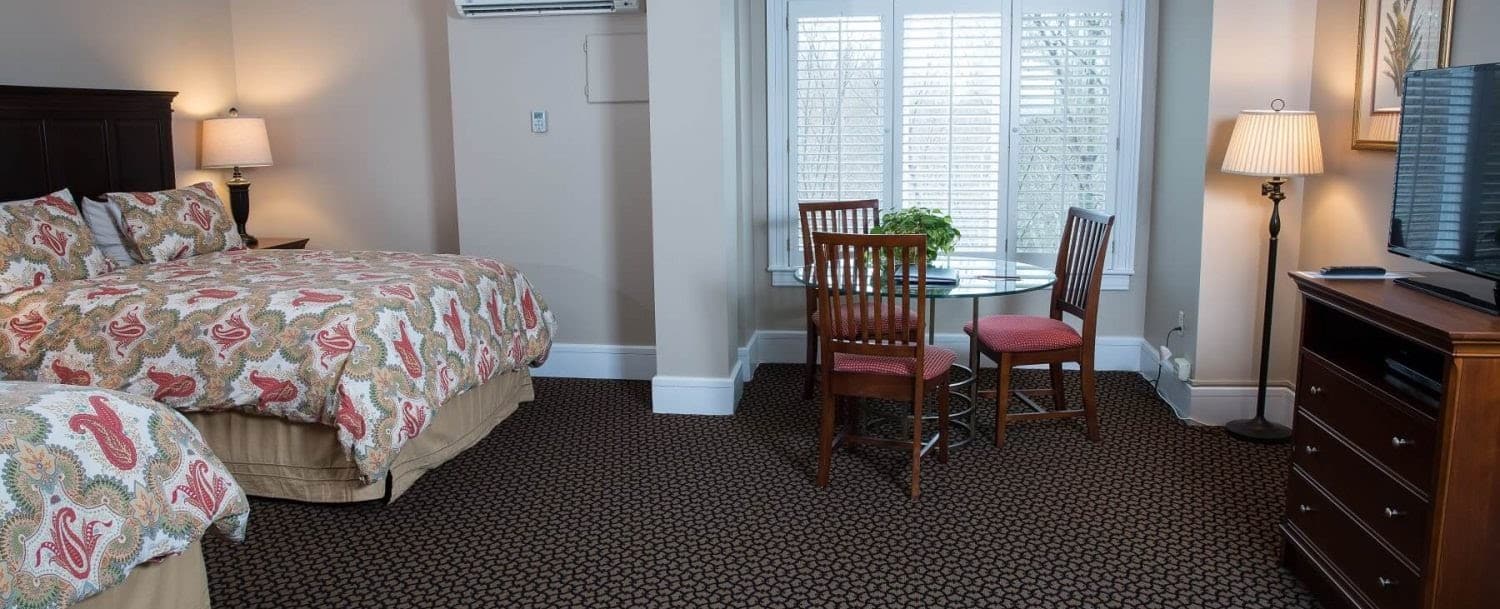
x=104, y=498
x=315, y=376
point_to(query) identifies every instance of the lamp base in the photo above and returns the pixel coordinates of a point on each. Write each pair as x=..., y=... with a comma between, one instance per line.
x=250, y=240
x=1258, y=430
x=239, y=206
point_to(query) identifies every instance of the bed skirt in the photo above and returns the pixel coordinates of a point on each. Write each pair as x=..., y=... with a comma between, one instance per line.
x=304, y=462
x=177, y=582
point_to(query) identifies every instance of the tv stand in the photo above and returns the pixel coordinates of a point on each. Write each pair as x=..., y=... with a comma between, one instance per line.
x=1394, y=488
x=1469, y=291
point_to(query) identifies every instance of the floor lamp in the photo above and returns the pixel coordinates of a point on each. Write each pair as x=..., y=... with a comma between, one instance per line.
x=1275, y=145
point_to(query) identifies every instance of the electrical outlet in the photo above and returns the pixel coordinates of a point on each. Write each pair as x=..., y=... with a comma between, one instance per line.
x=1182, y=319
x=1184, y=368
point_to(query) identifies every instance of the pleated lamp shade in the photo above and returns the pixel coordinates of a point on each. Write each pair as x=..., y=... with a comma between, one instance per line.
x=1268, y=143
x=1385, y=125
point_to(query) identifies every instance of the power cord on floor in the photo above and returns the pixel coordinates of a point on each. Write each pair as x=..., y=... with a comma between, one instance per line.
x=1156, y=386
x=1156, y=382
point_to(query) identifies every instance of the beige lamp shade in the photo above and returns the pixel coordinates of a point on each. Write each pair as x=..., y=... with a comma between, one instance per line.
x=235, y=142
x=1385, y=125
x=1268, y=143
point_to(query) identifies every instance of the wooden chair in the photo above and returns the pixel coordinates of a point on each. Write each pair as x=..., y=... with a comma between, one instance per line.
x=864, y=286
x=833, y=217
x=1020, y=340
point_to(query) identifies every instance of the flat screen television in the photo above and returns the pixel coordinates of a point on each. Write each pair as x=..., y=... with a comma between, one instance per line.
x=1447, y=200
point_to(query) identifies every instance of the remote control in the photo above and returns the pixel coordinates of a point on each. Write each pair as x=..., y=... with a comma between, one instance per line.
x=1336, y=271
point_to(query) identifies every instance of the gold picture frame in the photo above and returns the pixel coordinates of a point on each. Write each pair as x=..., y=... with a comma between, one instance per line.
x=1377, y=93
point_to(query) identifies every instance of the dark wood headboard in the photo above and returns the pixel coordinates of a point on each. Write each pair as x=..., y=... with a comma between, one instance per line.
x=91, y=141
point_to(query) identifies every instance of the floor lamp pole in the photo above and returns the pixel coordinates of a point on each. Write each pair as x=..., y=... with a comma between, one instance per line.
x=1259, y=429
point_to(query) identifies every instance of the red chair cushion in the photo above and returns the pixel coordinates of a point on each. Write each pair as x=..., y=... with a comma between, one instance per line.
x=1024, y=334
x=894, y=321
x=936, y=361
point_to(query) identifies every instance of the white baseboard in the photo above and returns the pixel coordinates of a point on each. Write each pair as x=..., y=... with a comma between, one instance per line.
x=696, y=395
x=790, y=347
x=1174, y=392
x=1215, y=405
x=627, y=362
x=1207, y=405
x=1218, y=405
x=670, y=394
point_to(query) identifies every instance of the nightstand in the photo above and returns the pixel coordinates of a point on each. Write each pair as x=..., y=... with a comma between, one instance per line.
x=281, y=243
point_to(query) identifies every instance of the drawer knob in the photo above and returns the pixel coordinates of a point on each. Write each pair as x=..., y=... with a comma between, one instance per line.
x=1391, y=512
x=1315, y=390
x=1400, y=442
x=1311, y=450
x=1386, y=582
x=1306, y=509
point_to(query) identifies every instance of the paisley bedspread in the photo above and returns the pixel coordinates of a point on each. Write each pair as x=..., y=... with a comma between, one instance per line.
x=368, y=342
x=94, y=483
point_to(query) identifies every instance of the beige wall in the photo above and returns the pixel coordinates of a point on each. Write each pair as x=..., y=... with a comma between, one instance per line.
x=572, y=207
x=1348, y=208
x=1185, y=41
x=695, y=187
x=355, y=95
x=164, y=45
x=1249, y=67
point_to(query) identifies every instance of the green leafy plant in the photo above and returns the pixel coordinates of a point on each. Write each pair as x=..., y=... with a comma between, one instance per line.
x=942, y=237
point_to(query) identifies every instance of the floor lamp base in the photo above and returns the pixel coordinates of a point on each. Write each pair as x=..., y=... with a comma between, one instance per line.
x=1258, y=430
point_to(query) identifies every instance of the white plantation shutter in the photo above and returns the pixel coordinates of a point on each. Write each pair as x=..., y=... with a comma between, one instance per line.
x=1002, y=113
x=952, y=93
x=1066, y=116
x=839, y=101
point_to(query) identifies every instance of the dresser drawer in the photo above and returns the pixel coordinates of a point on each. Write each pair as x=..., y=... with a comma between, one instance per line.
x=1392, y=510
x=1360, y=560
x=1399, y=438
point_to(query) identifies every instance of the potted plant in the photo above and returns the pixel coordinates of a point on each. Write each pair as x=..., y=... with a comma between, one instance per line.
x=942, y=237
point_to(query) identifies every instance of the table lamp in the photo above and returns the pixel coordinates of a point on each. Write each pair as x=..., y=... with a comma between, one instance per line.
x=1276, y=145
x=236, y=142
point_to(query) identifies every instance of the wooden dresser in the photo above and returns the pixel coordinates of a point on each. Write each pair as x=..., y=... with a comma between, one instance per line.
x=1394, y=496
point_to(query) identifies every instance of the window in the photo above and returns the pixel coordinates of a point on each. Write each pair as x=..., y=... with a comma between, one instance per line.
x=1002, y=113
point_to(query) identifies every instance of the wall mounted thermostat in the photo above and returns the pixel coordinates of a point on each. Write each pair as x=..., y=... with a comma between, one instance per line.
x=538, y=121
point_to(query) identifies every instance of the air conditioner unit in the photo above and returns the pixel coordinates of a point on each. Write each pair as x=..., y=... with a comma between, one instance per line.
x=533, y=8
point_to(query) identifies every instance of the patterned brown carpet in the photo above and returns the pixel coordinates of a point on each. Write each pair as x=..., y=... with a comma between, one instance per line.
x=586, y=499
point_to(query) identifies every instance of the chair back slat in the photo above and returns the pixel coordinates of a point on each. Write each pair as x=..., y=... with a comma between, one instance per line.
x=1080, y=266
x=871, y=285
x=835, y=217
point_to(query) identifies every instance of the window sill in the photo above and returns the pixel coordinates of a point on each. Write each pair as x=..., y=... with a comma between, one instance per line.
x=1114, y=281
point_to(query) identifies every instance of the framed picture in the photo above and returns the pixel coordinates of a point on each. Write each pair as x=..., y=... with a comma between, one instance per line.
x=1395, y=36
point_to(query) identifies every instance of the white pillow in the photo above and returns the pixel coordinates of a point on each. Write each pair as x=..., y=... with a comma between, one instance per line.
x=104, y=221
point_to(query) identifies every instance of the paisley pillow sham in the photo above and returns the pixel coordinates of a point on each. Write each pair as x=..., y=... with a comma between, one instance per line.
x=44, y=240
x=174, y=224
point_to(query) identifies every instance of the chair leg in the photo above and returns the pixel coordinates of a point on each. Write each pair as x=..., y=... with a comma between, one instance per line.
x=825, y=439
x=916, y=446
x=1059, y=391
x=1002, y=400
x=1090, y=400
x=812, y=362
x=943, y=422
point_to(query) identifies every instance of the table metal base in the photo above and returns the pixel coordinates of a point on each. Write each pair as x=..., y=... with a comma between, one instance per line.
x=892, y=420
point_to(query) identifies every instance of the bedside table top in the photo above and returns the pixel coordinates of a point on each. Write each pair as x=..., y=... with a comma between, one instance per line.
x=280, y=243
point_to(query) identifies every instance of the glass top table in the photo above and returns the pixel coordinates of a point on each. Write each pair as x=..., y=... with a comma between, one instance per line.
x=977, y=278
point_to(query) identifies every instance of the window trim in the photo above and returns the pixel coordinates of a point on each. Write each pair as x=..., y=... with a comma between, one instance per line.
x=1132, y=176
